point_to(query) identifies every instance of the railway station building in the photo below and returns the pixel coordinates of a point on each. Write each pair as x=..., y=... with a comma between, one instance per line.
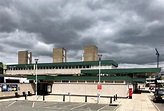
x=79, y=78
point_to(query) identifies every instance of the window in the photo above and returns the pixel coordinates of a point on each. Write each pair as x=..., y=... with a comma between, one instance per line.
x=119, y=81
x=109, y=81
x=65, y=80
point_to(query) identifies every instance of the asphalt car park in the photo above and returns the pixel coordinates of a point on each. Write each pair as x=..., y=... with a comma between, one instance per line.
x=158, y=104
x=53, y=106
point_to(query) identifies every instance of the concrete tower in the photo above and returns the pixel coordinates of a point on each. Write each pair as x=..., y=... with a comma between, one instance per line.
x=23, y=57
x=90, y=53
x=59, y=55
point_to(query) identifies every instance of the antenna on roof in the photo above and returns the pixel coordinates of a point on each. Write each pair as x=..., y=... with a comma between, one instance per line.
x=157, y=53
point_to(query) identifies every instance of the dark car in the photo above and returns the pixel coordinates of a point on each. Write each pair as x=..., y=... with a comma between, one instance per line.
x=158, y=95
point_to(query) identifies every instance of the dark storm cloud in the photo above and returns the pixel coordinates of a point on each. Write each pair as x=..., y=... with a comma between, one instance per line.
x=123, y=30
x=6, y=20
x=51, y=21
x=153, y=36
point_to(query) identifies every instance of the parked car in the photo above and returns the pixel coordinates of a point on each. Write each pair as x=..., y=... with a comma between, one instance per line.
x=158, y=95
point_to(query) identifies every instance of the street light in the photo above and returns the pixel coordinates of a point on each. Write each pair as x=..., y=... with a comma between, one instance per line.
x=99, y=67
x=99, y=83
x=36, y=62
x=157, y=53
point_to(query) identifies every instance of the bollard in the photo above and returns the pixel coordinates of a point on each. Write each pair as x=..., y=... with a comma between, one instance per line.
x=114, y=98
x=85, y=98
x=25, y=97
x=69, y=94
x=110, y=100
x=63, y=97
x=98, y=98
x=43, y=97
x=16, y=94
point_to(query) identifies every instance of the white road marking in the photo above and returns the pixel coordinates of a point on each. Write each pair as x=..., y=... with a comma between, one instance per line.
x=10, y=104
x=33, y=104
x=102, y=108
x=78, y=106
x=66, y=106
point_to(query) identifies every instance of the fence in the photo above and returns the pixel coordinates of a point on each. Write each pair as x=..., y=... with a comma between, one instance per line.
x=74, y=98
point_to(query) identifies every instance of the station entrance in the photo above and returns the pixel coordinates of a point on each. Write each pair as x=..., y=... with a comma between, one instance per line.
x=44, y=88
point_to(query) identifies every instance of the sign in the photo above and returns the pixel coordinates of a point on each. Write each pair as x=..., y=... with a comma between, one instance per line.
x=99, y=86
x=4, y=88
x=9, y=87
x=49, y=88
x=13, y=87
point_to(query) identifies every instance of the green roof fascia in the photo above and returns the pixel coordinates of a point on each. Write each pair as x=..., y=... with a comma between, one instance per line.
x=103, y=62
x=139, y=79
x=20, y=66
x=127, y=78
x=40, y=77
x=122, y=71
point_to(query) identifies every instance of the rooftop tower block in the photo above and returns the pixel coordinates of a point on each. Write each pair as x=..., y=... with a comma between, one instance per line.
x=24, y=57
x=90, y=53
x=59, y=55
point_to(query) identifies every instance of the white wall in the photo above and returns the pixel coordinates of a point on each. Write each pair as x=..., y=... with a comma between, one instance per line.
x=90, y=89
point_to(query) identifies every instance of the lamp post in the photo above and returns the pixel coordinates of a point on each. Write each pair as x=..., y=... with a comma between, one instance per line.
x=99, y=83
x=36, y=79
x=157, y=53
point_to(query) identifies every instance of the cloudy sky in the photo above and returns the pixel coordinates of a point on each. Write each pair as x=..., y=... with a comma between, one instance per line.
x=123, y=30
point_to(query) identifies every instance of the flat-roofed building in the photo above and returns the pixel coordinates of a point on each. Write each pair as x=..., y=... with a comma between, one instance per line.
x=65, y=77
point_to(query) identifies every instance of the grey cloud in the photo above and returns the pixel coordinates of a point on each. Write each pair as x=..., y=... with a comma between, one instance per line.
x=152, y=36
x=49, y=22
x=7, y=23
x=121, y=29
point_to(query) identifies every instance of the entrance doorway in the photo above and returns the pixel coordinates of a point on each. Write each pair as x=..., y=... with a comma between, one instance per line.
x=44, y=88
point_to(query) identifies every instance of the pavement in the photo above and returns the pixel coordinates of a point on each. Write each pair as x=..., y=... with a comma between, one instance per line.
x=139, y=102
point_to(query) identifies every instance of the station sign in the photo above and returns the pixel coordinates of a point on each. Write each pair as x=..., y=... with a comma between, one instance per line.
x=99, y=86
